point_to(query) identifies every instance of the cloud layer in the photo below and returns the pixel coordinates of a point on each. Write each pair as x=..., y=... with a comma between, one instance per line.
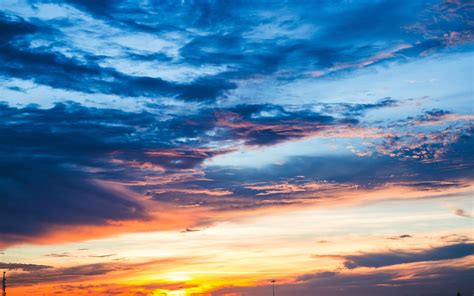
x=131, y=116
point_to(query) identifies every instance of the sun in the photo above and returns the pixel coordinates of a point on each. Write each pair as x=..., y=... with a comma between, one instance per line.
x=177, y=277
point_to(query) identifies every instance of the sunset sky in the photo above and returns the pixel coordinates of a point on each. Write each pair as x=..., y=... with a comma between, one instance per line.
x=182, y=148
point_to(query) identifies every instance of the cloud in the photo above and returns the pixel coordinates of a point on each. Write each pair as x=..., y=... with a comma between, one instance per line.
x=13, y=27
x=102, y=256
x=208, y=79
x=435, y=280
x=403, y=236
x=400, y=257
x=429, y=146
x=455, y=238
x=23, y=266
x=252, y=124
x=60, y=255
x=66, y=200
x=320, y=38
x=462, y=213
x=446, y=21
x=288, y=188
x=66, y=274
x=190, y=230
x=324, y=274
x=387, y=281
x=76, y=273
x=435, y=117
x=357, y=109
x=57, y=70
x=47, y=170
x=346, y=171
x=54, y=156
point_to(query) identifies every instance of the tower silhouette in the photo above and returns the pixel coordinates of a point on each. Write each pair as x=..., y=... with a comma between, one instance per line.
x=4, y=284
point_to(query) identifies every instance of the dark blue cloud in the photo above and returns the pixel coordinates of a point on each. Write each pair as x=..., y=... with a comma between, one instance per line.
x=217, y=34
x=46, y=161
x=400, y=257
x=59, y=71
x=436, y=281
x=258, y=124
x=253, y=185
x=11, y=27
x=368, y=172
x=53, y=156
x=43, y=175
x=354, y=109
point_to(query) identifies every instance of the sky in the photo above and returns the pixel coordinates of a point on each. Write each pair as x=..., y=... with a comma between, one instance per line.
x=205, y=147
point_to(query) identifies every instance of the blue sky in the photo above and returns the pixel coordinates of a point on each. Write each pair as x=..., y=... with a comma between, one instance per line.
x=151, y=109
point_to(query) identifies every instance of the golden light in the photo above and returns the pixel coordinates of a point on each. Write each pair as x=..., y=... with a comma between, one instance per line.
x=176, y=293
x=177, y=277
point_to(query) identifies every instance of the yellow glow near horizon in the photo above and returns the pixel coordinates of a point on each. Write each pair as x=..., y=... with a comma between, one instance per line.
x=177, y=293
x=251, y=250
x=177, y=277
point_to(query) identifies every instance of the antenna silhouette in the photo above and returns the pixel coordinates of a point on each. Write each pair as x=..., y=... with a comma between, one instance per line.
x=273, y=287
x=4, y=284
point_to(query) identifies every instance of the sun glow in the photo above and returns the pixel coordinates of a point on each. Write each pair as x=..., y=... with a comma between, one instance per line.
x=177, y=293
x=177, y=277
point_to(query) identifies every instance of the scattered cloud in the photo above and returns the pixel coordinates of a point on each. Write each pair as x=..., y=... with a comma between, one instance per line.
x=400, y=237
x=462, y=213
